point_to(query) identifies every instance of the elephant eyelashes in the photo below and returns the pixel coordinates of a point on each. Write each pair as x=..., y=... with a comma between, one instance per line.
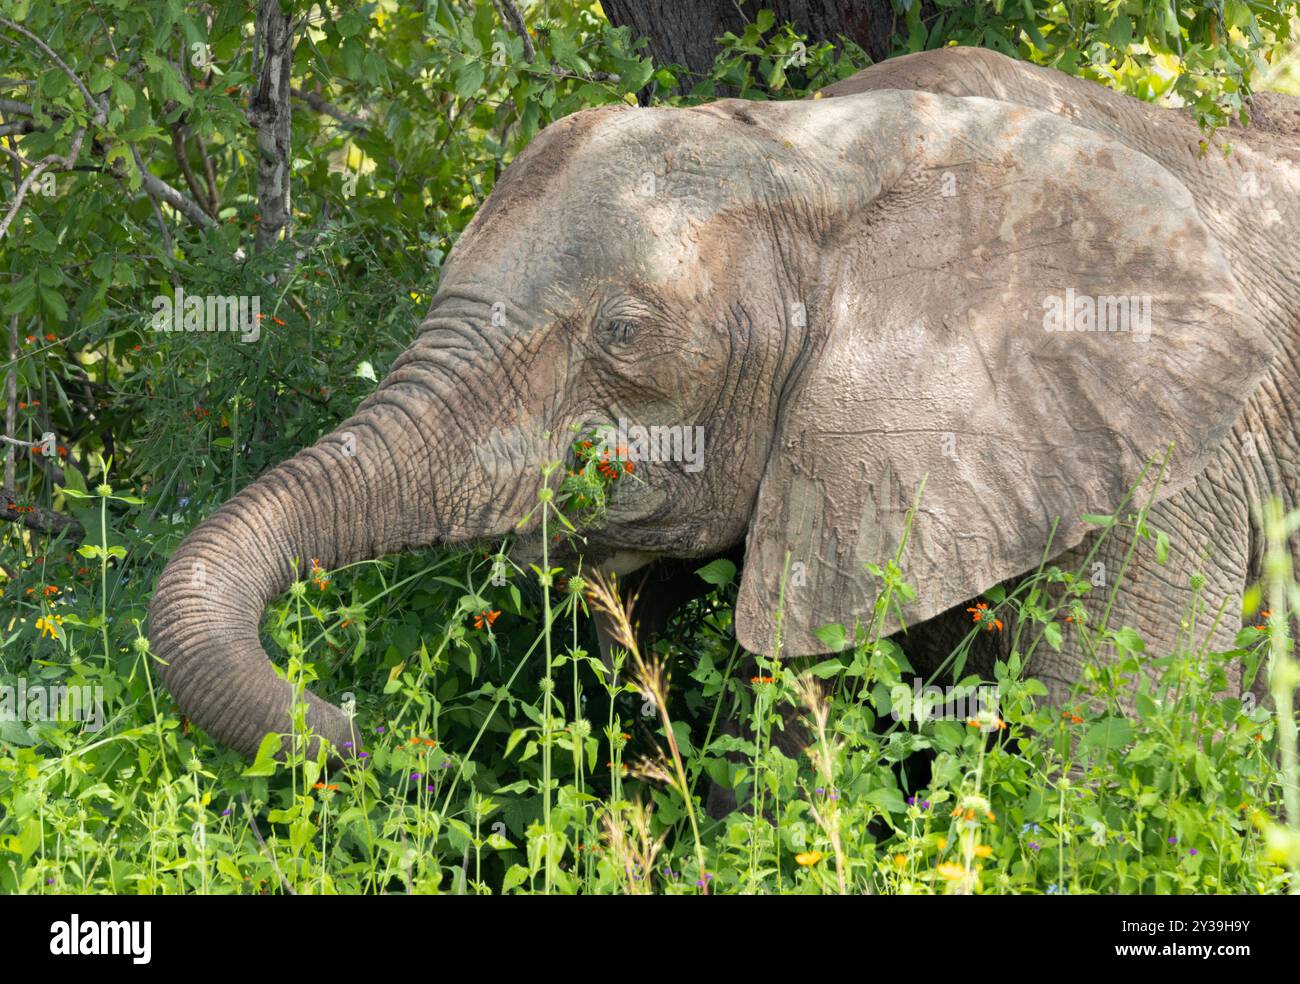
x=621, y=331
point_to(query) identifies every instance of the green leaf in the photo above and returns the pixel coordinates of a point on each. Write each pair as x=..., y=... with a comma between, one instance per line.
x=719, y=572
x=1052, y=633
x=1127, y=641
x=1236, y=13
x=834, y=636
x=888, y=799
x=469, y=79
x=264, y=763
x=1109, y=733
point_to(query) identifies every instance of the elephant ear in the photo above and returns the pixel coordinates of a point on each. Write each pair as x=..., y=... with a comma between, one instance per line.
x=950, y=345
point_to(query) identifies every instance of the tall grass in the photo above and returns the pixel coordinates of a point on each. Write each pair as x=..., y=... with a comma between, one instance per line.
x=479, y=775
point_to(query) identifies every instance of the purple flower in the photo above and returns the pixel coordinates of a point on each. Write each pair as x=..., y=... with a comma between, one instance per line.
x=1192, y=852
x=416, y=777
x=49, y=881
x=819, y=791
x=429, y=788
x=1034, y=847
x=446, y=763
x=347, y=744
x=911, y=801
x=364, y=755
x=227, y=811
x=1173, y=840
x=380, y=730
x=925, y=804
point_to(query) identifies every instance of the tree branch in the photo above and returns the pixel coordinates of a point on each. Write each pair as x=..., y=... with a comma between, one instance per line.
x=513, y=18
x=92, y=106
x=38, y=518
x=160, y=189
x=317, y=102
x=181, y=151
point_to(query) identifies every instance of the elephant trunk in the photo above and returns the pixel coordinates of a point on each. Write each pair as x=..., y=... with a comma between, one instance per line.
x=369, y=488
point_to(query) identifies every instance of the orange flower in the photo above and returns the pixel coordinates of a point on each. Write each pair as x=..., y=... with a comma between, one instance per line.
x=485, y=617
x=762, y=679
x=979, y=614
x=51, y=337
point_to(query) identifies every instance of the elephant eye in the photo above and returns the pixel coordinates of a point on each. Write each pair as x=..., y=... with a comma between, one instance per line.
x=621, y=330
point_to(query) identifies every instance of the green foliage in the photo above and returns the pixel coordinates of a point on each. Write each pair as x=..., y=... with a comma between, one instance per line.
x=1203, y=55
x=501, y=753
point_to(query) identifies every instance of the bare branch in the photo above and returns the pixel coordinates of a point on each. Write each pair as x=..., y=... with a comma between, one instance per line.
x=11, y=399
x=93, y=106
x=317, y=102
x=41, y=167
x=181, y=152
x=18, y=127
x=160, y=189
x=514, y=20
x=38, y=518
x=209, y=175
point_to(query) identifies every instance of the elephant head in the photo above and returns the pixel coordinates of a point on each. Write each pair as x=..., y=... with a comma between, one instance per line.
x=848, y=297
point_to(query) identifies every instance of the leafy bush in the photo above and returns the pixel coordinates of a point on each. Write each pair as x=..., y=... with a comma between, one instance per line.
x=501, y=754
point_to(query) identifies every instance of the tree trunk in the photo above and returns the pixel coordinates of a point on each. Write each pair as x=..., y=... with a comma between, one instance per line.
x=685, y=31
x=270, y=114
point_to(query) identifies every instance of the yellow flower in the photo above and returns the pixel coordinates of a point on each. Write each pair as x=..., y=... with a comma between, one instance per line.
x=983, y=851
x=808, y=858
x=900, y=860
x=49, y=626
x=943, y=843
x=951, y=871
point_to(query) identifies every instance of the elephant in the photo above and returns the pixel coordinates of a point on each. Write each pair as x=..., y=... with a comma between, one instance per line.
x=953, y=279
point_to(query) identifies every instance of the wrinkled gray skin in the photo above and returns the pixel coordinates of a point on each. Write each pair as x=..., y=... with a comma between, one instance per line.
x=848, y=294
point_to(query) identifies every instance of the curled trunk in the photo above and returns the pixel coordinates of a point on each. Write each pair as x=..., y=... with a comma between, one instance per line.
x=362, y=491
